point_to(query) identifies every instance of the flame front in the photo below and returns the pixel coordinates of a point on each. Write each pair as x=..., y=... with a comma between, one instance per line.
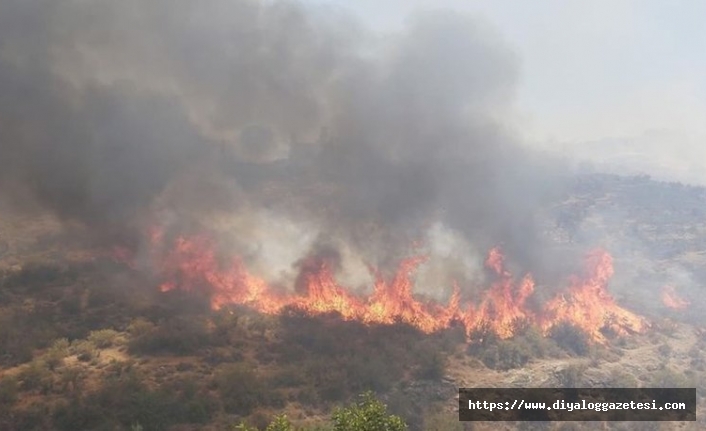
x=192, y=264
x=588, y=304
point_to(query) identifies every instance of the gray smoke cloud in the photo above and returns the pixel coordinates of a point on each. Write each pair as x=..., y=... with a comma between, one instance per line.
x=286, y=123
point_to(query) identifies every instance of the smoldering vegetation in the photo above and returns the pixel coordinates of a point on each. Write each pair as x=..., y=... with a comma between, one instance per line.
x=290, y=125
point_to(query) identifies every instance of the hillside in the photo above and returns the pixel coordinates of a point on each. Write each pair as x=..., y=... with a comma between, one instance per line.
x=89, y=343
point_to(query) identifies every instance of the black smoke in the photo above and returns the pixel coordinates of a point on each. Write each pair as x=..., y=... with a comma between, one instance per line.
x=112, y=112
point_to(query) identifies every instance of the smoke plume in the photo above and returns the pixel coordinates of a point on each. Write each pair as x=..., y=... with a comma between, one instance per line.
x=282, y=123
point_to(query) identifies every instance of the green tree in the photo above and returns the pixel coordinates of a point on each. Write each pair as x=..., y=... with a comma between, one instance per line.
x=280, y=423
x=368, y=414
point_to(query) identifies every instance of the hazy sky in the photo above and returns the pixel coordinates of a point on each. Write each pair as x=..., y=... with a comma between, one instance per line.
x=591, y=70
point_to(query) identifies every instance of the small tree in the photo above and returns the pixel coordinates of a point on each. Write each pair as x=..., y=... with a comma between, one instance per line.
x=280, y=423
x=368, y=414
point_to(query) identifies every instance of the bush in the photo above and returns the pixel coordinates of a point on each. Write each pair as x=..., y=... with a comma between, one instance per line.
x=8, y=390
x=71, y=378
x=103, y=338
x=16, y=338
x=289, y=376
x=54, y=356
x=511, y=353
x=130, y=401
x=362, y=373
x=490, y=357
x=669, y=378
x=126, y=401
x=665, y=350
x=84, y=350
x=622, y=379
x=506, y=354
x=368, y=414
x=197, y=405
x=140, y=327
x=61, y=345
x=179, y=336
x=280, y=423
x=36, y=376
x=431, y=367
x=481, y=338
x=241, y=390
x=571, y=376
x=34, y=276
x=539, y=345
x=35, y=416
x=571, y=338
x=442, y=421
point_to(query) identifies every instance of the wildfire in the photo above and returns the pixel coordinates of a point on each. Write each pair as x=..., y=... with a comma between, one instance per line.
x=672, y=300
x=504, y=302
x=588, y=304
x=192, y=264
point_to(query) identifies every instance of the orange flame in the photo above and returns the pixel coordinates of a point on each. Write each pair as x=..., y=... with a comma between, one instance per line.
x=672, y=300
x=588, y=304
x=192, y=264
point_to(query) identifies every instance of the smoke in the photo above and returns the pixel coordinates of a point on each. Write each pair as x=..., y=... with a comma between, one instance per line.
x=268, y=119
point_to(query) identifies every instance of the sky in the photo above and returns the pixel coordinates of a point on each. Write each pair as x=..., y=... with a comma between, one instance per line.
x=617, y=82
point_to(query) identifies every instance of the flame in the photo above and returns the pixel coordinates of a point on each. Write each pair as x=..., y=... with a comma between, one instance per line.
x=192, y=264
x=504, y=302
x=672, y=300
x=588, y=305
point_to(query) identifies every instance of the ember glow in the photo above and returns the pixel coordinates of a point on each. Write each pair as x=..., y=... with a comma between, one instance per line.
x=192, y=264
x=672, y=300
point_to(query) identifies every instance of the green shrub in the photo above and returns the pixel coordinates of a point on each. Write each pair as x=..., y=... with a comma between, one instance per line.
x=280, y=423
x=36, y=376
x=368, y=414
x=140, y=327
x=61, y=345
x=103, y=338
x=442, y=420
x=71, y=378
x=54, y=356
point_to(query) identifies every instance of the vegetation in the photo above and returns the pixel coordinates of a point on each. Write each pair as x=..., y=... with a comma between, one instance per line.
x=571, y=337
x=101, y=358
x=515, y=352
x=368, y=414
x=82, y=348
